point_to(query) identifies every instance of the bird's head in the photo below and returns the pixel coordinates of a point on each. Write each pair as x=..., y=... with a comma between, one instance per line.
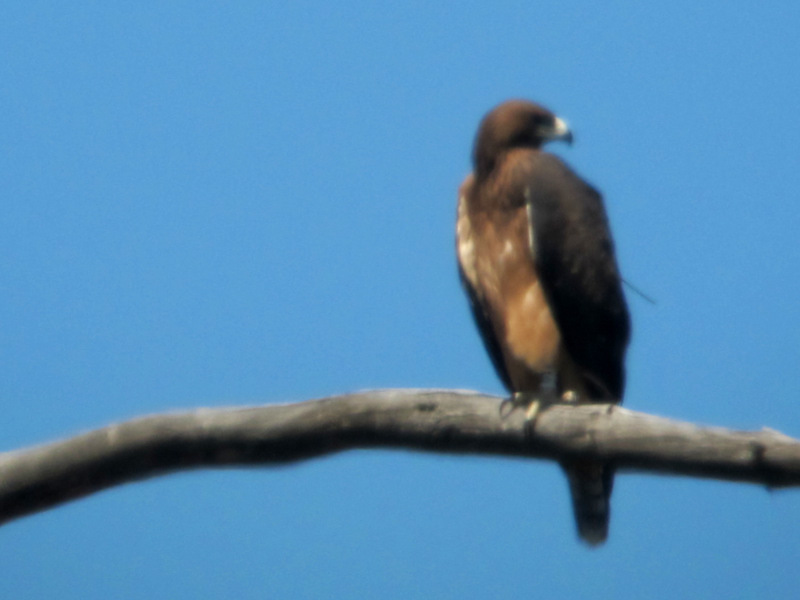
x=515, y=124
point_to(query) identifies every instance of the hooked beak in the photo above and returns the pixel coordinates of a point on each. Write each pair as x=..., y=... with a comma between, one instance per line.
x=559, y=130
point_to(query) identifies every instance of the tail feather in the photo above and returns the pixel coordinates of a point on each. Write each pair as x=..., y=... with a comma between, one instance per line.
x=590, y=484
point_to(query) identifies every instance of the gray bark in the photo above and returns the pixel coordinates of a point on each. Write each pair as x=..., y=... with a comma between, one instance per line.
x=448, y=421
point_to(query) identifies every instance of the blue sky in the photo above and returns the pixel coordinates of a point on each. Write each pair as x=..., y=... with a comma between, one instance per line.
x=214, y=204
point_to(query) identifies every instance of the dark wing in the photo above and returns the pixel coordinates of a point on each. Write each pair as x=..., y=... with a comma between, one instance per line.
x=575, y=259
x=486, y=330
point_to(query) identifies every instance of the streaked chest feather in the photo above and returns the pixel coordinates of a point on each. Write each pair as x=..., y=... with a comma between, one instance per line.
x=497, y=260
x=465, y=243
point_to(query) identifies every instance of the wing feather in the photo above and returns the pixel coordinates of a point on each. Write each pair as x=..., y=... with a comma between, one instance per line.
x=574, y=255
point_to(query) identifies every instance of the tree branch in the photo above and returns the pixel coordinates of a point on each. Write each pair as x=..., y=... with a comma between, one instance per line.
x=38, y=478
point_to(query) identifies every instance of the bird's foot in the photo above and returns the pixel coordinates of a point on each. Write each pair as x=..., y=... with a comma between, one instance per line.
x=534, y=406
x=518, y=400
x=570, y=396
x=533, y=403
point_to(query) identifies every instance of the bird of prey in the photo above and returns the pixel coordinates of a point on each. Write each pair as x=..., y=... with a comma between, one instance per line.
x=537, y=260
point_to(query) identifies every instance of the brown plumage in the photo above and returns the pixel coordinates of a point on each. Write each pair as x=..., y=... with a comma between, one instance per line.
x=537, y=261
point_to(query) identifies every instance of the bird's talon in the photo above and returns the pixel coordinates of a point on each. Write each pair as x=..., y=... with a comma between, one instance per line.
x=509, y=404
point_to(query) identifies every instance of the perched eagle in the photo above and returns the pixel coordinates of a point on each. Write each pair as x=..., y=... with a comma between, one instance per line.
x=537, y=261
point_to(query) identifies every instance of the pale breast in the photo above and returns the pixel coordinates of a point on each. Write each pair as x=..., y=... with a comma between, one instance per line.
x=531, y=333
x=465, y=242
x=496, y=257
x=501, y=260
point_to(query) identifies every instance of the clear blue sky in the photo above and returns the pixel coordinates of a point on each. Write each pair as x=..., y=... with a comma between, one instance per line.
x=209, y=204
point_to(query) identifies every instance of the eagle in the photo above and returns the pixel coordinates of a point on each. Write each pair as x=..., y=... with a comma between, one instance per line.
x=537, y=261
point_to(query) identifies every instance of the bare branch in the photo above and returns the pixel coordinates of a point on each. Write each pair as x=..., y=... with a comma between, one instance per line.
x=34, y=479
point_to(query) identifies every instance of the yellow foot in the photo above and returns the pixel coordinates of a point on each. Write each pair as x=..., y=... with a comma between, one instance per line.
x=533, y=411
x=533, y=402
x=518, y=400
x=570, y=396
